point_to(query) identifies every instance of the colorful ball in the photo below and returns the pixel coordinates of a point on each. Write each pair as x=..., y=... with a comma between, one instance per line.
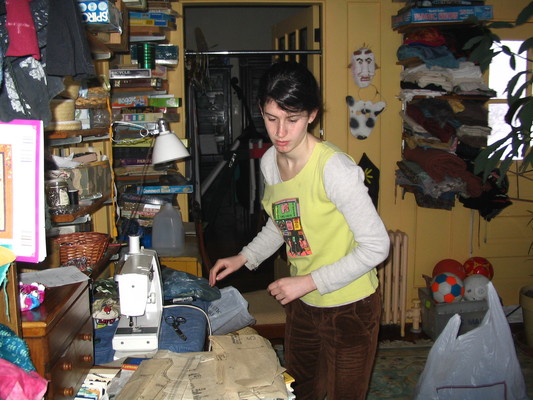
x=447, y=288
x=449, y=265
x=479, y=265
x=476, y=287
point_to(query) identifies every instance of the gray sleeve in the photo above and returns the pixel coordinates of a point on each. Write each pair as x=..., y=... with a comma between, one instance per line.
x=344, y=185
x=266, y=242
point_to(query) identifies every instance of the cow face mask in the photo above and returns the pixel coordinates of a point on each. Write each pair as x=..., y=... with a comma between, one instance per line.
x=363, y=116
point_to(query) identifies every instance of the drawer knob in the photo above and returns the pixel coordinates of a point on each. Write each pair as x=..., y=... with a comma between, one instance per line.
x=86, y=336
x=66, y=366
x=68, y=391
x=87, y=358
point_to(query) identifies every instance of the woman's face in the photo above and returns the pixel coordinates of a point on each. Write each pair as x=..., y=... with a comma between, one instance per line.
x=285, y=129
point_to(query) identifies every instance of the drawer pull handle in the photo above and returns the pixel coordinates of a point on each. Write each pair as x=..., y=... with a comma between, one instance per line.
x=85, y=336
x=66, y=366
x=68, y=391
x=87, y=358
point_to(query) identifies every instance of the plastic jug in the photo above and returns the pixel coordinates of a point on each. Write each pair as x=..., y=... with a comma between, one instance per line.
x=168, y=234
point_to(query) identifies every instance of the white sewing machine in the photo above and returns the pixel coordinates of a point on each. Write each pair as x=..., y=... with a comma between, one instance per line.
x=141, y=302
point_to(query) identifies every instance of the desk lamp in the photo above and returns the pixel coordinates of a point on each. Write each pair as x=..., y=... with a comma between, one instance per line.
x=167, y=146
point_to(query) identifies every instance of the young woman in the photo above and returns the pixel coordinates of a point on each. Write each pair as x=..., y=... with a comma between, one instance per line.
x=319, y=207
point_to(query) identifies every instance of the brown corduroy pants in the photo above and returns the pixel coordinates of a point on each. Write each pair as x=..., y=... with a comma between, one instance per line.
x=331, y=351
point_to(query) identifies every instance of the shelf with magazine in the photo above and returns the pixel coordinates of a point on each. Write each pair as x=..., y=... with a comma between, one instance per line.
x=444, y=113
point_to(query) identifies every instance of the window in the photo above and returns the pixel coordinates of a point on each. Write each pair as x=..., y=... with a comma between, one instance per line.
x=500, y=72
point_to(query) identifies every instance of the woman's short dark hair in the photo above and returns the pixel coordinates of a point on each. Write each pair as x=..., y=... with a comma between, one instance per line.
x=292, y=86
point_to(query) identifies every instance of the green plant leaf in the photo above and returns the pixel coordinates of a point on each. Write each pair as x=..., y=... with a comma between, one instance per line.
x=525, y=14
x=472, y=42
x=482, y=159
x=507, y=50
x=512, y=62
x=526, y=44
x=527, y=161
x=504, y=167
x=500, y=24
x=511, y=94
x=525, y=115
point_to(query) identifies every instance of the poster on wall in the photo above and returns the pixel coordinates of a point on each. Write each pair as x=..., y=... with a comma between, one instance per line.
x=22, y=219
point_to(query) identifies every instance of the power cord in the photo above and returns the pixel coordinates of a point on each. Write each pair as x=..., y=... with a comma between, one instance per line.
x=209, y=330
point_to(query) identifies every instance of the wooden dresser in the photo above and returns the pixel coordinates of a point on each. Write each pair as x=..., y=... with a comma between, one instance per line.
x=59, y=334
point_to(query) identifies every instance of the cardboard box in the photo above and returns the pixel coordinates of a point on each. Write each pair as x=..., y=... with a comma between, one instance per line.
x=93, y=180
x=441, y=15
x=129, y=101
x=100, y=15
x=435, y=316
x=164, y=101
x=164, y=189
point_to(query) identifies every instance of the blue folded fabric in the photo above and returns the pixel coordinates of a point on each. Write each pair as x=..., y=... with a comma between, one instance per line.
x=439, y=55
x=195, y=329
x=14, y=349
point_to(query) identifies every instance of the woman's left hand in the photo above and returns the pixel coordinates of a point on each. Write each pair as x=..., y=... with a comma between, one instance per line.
x=288, y=289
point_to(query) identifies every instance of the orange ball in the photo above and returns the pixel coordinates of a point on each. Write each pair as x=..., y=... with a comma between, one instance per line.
x=449, y=265
x=478, y=265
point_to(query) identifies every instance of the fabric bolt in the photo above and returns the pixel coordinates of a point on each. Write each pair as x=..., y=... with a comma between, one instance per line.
x=474, y=113
x=442, y=131
x=493, y=199
x=68, y=49
x=26, y=90
x=345, y=330
x=16, y=383
x=428, y=185
x=425, y=36
x=21, y=30
x=409, y=94
x=438, y=164
x=14, y=349
x=432, y=56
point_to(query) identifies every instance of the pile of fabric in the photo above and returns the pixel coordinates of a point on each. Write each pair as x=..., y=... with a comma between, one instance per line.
x=445, y=124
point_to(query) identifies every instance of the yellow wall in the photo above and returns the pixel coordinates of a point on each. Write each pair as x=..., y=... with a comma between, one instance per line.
x=433, y=234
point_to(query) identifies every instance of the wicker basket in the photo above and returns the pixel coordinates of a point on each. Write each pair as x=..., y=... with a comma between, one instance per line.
x=91, y=245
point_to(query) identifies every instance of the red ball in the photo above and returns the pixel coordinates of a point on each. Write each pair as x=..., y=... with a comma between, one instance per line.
x=479, y=265
x=449, y=265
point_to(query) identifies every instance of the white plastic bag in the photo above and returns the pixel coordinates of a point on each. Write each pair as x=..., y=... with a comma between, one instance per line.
x=229, y=313
x=479, y=364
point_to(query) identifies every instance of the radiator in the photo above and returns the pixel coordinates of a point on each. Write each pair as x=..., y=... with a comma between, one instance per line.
x=392, y=274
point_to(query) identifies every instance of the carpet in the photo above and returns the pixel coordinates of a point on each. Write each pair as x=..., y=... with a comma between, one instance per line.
x=399, y=365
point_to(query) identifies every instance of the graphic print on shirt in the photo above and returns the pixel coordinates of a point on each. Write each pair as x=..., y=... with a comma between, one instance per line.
x=286, y=214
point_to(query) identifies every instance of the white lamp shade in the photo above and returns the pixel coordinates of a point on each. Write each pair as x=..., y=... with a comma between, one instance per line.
x=168, y=147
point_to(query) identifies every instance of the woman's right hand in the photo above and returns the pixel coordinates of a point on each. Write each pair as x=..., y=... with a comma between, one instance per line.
x=225, y=266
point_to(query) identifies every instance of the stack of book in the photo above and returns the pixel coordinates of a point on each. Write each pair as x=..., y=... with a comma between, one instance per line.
x=154, y=22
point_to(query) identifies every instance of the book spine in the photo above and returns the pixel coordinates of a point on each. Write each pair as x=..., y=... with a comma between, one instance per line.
x=153, y=22
x=142, y=117
x=156, y=83
x=131, y=73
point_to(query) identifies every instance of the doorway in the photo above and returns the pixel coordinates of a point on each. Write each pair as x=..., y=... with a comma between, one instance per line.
x=227, y=48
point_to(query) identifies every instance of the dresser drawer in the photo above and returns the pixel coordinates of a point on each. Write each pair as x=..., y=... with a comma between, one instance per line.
x=68, y=373
x=59, y=334
x=69, y=327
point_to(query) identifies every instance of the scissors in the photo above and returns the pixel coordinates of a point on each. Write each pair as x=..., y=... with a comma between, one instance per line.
x=175, y=323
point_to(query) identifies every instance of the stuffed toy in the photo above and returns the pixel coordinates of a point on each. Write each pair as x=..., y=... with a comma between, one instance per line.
x=363, y=115
x=31, y=296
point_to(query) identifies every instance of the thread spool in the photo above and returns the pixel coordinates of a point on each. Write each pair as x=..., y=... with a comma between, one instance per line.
x=146, y=55
x=135, y=247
